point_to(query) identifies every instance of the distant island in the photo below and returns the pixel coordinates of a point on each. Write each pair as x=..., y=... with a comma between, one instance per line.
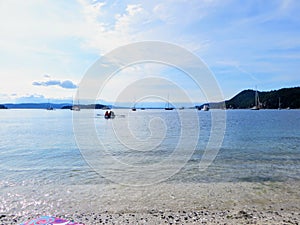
x=46, y=105
x=90, y=106
x=282, y=98
x=3, y=107
x=34, y=105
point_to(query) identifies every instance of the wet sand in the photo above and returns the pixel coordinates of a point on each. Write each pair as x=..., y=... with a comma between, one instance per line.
x=166, y=203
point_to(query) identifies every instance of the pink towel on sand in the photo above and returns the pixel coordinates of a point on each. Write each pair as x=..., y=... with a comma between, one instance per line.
x=49, y=220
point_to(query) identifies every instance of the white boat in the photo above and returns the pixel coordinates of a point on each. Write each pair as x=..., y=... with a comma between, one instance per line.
x=205, y=107
x=257, y=104
x=76, y=107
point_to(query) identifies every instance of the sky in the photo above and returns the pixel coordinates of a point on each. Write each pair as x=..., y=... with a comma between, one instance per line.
x=48, y=46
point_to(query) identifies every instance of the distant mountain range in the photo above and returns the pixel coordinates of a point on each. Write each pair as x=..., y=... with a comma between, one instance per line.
x=283, y=98
x=34, y=105
x=90, y=106
x=46, y=105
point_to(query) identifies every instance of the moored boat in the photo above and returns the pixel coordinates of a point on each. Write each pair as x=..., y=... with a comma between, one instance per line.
x=168, y=107
x=256, y=102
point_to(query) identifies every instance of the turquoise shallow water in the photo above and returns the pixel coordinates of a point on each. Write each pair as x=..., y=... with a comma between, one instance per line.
x=39, y=146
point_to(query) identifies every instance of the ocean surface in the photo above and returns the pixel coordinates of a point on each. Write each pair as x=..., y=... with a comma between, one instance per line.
x=42, y=148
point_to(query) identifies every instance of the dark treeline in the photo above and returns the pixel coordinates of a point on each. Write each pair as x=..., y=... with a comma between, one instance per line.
x=282, y=98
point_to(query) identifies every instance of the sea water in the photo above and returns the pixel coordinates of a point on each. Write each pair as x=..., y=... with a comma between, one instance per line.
x=40, y=148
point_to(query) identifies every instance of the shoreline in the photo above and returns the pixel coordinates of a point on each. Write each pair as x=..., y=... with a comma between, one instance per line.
x=166, y=203
x=242, y=216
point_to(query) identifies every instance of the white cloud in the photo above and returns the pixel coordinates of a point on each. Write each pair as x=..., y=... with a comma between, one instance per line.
x=67, y=84
x=108, y=26
x=106, y=34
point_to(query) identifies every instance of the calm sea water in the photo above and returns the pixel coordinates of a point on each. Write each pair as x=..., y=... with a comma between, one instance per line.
x=40, y=146
x=49, y=166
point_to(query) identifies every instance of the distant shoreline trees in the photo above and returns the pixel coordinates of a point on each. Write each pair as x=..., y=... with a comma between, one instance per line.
x=282, y=98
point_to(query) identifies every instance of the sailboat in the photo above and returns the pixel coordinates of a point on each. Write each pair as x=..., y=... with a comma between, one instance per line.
x=205, y=107
x=134, y=108
x=168, y=105
x=49, y=106
x=279, y=104
x=257, y=104
x=76, y=107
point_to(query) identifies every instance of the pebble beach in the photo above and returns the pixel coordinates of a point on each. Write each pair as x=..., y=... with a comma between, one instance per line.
x=207, y=203
x=250, y=216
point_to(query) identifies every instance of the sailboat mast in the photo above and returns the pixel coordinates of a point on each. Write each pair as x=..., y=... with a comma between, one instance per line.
x=256, y=96
x=168, y=102
x=78, y=97
x=256, y=99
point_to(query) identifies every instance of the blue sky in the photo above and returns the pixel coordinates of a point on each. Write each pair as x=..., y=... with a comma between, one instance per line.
x=46, y=47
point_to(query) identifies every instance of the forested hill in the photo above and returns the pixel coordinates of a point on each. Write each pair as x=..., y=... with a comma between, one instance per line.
x=289, y=97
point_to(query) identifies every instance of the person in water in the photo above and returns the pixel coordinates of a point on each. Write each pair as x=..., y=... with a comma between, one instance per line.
x=107, y=114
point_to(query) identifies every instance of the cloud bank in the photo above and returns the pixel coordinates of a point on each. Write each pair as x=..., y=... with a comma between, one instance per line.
x=67, y=84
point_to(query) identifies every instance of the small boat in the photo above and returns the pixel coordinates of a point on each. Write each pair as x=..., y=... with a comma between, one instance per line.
x=75, y=108
x=109, y=115
x=133, y=109
x=255, y=108
x=205, y=107
x=49, y=108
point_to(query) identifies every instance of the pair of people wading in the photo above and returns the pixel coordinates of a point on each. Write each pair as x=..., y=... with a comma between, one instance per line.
x=109, y=115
